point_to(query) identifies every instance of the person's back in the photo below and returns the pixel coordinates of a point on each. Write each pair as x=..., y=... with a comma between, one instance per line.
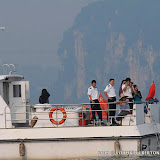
x=44, y=98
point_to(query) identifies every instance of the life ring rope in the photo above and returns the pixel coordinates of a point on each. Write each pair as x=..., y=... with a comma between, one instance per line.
x=51, y=115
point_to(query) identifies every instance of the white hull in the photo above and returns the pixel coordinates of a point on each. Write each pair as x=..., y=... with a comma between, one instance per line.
x=76, y=142
x=64, y=150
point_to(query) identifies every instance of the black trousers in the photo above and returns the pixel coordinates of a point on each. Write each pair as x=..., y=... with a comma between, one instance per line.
x=112, y=106
x=130, y=104
x=96, y=107
x=122, y=114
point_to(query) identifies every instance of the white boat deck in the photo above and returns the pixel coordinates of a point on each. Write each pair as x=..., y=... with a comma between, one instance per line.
x=78, y=132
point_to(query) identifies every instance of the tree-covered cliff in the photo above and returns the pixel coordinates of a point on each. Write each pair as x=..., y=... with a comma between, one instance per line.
x=111, y=39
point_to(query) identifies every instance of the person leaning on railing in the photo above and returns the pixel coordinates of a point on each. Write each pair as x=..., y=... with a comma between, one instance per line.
x=124, y=107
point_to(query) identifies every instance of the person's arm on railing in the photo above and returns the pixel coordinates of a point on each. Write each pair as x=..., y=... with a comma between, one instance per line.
x=120, y=102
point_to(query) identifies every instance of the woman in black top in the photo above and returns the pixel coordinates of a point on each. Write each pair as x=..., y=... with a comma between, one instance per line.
x=44, y=98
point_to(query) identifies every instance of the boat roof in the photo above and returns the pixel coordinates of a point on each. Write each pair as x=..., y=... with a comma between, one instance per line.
x=10, y=78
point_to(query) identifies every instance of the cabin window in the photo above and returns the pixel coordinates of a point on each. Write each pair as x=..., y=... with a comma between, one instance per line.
x=16, y=90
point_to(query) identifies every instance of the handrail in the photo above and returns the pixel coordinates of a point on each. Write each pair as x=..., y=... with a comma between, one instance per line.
x=81, y=107
x=75, y=105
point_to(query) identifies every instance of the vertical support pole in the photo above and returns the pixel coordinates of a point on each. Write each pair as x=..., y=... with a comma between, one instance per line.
x=56, y=116
x=94, y=122
x=5, y=116
x=82, y=117
x=108, y=114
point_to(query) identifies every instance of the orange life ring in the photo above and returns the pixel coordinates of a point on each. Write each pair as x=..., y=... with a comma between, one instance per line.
x=64, y=115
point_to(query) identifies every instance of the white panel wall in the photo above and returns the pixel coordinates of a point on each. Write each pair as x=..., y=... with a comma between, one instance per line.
x=139, y=113
x=154, y=109
x=1, y=89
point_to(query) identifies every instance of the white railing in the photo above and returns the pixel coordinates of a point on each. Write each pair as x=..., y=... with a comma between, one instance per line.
x=42, y=112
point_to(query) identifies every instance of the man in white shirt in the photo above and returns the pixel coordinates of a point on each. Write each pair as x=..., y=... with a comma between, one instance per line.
x=128, y=91
x=111, y=95
x=93, y=97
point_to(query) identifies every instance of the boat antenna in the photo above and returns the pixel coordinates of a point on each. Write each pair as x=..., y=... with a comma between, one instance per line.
x=2, y=28
x=10, y=48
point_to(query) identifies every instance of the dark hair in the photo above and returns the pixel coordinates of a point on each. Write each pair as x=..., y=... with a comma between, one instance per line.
x=128, y=79
x=93, y=81
x=122, y=82
x=134, y=86
x=45, y=93
x=44, y=98
x=111, y=79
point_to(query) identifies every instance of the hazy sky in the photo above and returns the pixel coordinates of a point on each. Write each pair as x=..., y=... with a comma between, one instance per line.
x=34, y=29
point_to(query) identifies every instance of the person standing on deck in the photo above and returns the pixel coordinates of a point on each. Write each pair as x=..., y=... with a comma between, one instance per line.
x=137, y=94
x=128, y=91
x=44, y=98
x=111, y=95
x=93, y=97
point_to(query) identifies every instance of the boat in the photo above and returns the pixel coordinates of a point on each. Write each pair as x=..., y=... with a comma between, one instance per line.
x=63, y=131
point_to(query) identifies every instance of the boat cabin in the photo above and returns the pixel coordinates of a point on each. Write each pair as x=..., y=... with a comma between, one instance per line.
x=14, y=94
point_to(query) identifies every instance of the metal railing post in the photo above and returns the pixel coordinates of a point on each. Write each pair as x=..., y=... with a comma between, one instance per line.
x=56, y=116
x=108, y=115
x=94, y=122
x=82, y=117
x=5, y=116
